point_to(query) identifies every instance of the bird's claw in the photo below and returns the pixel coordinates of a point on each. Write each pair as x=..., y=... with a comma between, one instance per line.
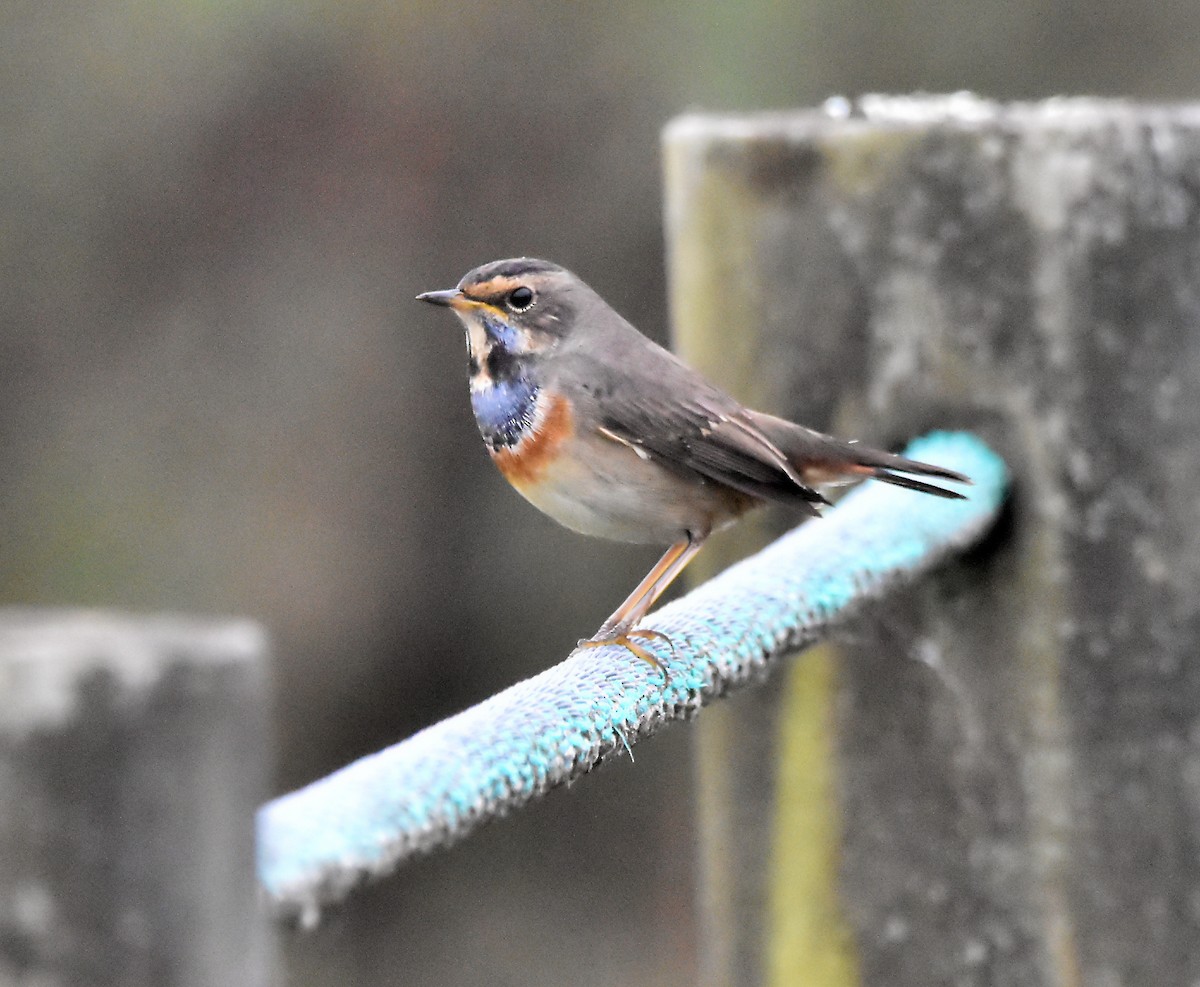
x=622, y=639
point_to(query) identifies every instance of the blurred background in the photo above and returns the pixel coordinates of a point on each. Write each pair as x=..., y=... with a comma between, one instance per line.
x=218, y=395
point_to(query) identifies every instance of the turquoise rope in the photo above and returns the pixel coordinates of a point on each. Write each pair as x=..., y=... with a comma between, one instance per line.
x=434, y=788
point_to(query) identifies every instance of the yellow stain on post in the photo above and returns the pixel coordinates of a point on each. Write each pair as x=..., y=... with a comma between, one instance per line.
x=810, y=942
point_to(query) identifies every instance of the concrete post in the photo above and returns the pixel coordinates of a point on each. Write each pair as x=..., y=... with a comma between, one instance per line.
x=133, y=754
x=997, y=780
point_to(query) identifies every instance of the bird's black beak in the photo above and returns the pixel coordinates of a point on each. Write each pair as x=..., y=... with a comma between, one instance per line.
x=444, y=298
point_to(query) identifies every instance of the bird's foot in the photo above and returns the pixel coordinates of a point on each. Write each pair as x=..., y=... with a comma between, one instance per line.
x=622, y=637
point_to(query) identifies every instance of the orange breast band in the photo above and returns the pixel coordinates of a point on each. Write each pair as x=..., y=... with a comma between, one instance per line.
x=524, y=463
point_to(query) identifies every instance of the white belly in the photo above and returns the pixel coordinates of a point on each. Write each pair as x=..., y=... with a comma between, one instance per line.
x=620, y=496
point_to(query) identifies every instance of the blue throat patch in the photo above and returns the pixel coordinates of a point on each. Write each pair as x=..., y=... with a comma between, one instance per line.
x=500, y=333
x=504, y=411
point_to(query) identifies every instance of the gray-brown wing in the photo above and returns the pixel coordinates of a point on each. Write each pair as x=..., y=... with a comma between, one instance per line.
x=673, y=415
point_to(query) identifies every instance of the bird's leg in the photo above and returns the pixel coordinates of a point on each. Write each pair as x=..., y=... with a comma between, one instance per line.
x=650, y=588
x=619, y=628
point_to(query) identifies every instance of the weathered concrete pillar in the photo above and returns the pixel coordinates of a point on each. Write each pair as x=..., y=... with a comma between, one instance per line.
x=997, y=780
x=133, y=753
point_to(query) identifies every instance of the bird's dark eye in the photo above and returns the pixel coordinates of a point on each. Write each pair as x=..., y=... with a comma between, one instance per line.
x=520, y=299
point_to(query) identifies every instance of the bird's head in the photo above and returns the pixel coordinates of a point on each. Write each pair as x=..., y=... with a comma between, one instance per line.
x=521, y=306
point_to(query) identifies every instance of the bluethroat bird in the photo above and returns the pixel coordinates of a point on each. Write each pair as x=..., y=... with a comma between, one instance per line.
x=614, y=436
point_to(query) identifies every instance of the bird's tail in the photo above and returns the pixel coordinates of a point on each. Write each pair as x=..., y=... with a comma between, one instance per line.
x=821, y=459
x=867, y=462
